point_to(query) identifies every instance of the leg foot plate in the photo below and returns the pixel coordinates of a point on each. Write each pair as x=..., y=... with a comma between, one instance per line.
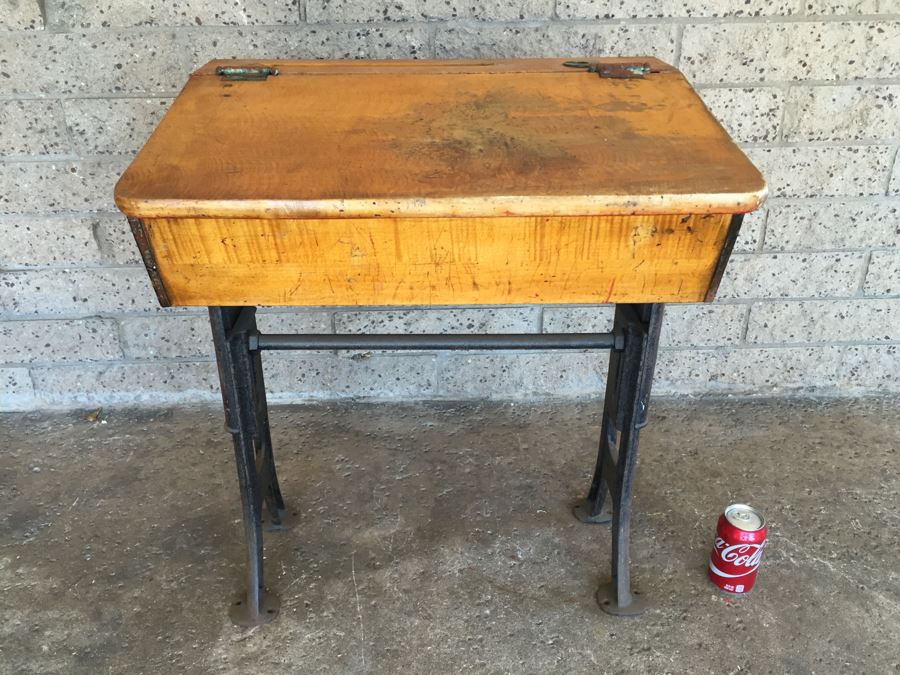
x=241, y=615
x=288, y=517
x=606, y=598
x=582, y=511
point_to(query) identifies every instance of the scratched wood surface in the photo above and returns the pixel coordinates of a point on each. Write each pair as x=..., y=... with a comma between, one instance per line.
x=438, y=139
x=437, y=261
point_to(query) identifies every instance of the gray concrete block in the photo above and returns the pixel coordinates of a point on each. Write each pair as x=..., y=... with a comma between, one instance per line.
x=568, y=319
x=832, y=224
x=46, y=187
x=852, y=171
x=792, y=275
x=118, y=126
x=22, y=70
x=625, y=9
x=152, y=61
x=318, y=375
x=96, y=63
x=825, y=321
x=383, y=376
x=139, y=62
x=167, y=336
x=491, y=41
x=749, y=115
x=469, y=320
x=883, y=275
x=73, y=15
x=487, y=41
x=894, y=183
x=751, y=231
x=34, y=241
x=126, y=383
x=845, y=7
x=16, y=390
x=504, y=375
x=693, y=325
x=32, y=128
x=755, y=52
x=77, y=292
x=702, y=325
x=158, y=62
x=283, y=320
x=300, y=376
x=189, y=336
x=117, y=62
x=744, y=371
x=616, y=40
x=376, y=42
x=114, y=237
x=64, y=341
x=842, y=113
x=356, y=11
x=870, y=369
x=21, y=15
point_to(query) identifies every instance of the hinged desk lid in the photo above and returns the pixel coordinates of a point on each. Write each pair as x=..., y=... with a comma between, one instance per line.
x=296, y=139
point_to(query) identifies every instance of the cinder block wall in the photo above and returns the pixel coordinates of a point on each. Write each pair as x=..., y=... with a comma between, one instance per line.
x=811, y=300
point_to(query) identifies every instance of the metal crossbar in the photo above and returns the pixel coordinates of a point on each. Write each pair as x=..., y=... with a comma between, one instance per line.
x=449, y=342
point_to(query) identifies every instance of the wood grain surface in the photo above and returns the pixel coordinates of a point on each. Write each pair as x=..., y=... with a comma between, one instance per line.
x=437, y=139
x=437, y=261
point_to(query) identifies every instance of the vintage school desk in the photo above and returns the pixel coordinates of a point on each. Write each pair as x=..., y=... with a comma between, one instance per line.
x=437, y=183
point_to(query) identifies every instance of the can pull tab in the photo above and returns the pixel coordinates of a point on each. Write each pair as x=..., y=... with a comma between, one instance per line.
x=613, y=71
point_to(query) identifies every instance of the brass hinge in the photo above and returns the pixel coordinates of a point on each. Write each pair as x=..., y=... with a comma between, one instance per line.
x=613, y=71
x=246, y=73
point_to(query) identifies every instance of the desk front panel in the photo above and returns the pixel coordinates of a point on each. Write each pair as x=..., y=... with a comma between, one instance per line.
x=435, y=261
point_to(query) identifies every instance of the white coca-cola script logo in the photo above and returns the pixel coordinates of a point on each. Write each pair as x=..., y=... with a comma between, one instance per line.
x=739, y=555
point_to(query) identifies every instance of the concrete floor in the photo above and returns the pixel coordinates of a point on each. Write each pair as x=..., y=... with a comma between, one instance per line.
x=437, y=538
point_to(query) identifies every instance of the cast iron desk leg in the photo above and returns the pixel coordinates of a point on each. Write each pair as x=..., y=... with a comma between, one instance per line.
x=624, y=415
x=634, y=340
x=244, y=398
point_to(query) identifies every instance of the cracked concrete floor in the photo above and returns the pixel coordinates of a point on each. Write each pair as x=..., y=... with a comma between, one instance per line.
x=437, y=538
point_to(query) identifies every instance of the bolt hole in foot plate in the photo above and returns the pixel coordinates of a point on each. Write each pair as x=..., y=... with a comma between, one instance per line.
x=242, y=616
x=606, y=599
x=582, y=511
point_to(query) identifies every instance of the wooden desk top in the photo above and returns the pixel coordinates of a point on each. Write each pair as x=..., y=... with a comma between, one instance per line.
x=339, y=139
x=437, y=183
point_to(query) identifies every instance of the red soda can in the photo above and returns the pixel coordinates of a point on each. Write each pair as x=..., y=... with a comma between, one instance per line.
x=737, y=552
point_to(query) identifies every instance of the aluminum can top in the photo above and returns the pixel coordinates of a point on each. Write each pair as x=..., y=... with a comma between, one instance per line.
x=744, y=517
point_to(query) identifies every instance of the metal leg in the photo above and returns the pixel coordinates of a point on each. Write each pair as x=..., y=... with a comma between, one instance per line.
x=591, y=509
x=624, y=415
x=634, y=340
x=275, y=517
x=244, y=398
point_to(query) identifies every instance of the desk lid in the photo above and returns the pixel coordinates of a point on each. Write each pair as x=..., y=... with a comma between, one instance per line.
x=526, y=137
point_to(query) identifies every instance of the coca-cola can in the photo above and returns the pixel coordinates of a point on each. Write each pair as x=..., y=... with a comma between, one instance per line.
x=737, y=552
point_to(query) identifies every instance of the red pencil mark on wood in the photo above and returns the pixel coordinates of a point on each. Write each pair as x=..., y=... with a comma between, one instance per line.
x=612, y=285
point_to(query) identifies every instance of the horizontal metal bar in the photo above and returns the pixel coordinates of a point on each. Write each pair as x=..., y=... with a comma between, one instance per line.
x=451, y=341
